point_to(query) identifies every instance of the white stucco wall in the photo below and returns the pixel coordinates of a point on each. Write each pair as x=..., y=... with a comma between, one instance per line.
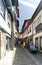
x=4, y=25
x=30, y=33
x=35, y=23
x=25, y=34
x=35, y=35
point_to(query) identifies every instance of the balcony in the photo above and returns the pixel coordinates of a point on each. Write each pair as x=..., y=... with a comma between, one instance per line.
x=39, y=28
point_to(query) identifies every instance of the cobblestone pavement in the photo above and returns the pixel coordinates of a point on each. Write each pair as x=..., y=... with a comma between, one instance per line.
x=22, y=58
x=38, y=56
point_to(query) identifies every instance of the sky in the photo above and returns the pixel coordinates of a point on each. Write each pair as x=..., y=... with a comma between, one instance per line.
x=26, y=10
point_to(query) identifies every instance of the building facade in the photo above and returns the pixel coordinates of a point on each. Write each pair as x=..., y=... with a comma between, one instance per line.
x=9, y=26
x=5, y=29
x=25, y=33
x=37, y=31
x=30, y=32
x=35, y=28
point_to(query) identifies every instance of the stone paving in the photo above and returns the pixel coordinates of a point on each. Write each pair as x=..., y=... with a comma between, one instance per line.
x=8, y=58
x=38, y=56
x=22, y=58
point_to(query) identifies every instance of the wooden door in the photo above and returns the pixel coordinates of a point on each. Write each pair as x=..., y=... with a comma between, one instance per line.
x=36, y=42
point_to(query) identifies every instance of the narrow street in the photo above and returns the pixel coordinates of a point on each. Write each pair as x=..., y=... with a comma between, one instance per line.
x=20, y=32
x=38, y=56
x=23, y=57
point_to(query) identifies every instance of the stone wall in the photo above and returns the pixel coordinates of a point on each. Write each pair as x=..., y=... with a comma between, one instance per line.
x=2, y=44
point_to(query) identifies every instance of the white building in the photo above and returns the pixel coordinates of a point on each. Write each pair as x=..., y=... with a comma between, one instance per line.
x=5, y=29
x=7, y=11
x=37, y=27
x=30, y=32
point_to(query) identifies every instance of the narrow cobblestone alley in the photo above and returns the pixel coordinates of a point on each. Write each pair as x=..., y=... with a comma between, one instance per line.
x=38, y=56
x=20, y=32
x=22, y=58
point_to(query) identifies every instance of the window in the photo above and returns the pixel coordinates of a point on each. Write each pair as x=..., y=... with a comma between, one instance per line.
x=34, y=25
x=30, y=29
x=39, y=20
x=2, y=9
